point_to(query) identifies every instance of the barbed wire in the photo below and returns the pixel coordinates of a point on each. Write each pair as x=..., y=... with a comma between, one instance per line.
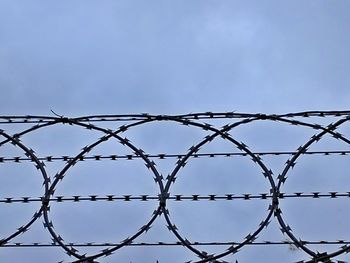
x=194, y=120
x=177, y=197
x=157, y=244
x=192, y=116
x=166, y=156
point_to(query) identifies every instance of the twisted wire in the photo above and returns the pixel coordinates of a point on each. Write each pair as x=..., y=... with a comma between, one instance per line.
x=192, y=116
x=193, y=120
x=177, y=197
x=167, y=156
x=157, y=244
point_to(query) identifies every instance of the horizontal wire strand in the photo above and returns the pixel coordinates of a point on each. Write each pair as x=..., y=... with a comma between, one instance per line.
x=166, y=156
x=194, y=197
x=106, y=244
x=192, y=116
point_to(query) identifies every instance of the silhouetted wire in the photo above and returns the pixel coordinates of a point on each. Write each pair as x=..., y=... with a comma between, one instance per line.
x=167, y=156
x=193, y=120
x=178, y=197
x=159, y=244
x=191, y=116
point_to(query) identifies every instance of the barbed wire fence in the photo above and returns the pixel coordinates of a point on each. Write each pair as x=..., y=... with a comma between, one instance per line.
x=116, y=127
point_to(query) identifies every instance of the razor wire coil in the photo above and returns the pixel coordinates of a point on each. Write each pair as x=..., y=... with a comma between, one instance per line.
x=195, y=120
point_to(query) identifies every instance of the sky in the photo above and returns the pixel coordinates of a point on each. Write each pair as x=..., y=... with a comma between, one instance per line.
x=169, y=57
x=173, y=56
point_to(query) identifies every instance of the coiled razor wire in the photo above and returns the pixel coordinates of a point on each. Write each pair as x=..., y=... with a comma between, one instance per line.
x=194, y=120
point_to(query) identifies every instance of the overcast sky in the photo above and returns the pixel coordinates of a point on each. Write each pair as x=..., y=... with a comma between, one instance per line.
x=80, y=57
x=170, y=57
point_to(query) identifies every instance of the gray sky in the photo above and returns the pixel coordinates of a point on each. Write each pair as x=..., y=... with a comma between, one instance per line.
x=173, y=56
x=170, y=57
